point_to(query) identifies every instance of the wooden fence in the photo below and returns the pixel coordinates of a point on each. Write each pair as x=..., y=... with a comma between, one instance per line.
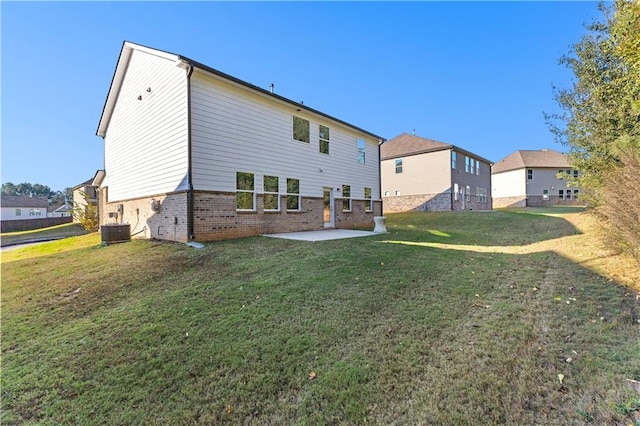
x=29, y=224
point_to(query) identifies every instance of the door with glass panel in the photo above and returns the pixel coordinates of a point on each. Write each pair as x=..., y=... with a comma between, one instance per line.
x=328, y=207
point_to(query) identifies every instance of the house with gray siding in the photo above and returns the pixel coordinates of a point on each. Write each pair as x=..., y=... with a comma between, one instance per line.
x=192, y=153
x=420, y=174
x=534, y=178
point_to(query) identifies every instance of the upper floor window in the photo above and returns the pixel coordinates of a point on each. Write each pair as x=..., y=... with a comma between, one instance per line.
x=560, y=174
x=293, y=194
x=467, y=165
x=245, y=191
x=454, y=160
x=529, y=174
x=477, y=168
x=398, y=166
x=575, y=173
x=300, y=129
x=472, y=166
x=368, y=204
x=271, y=195
x=324, y=139
x=346, y=198
x=361, y=151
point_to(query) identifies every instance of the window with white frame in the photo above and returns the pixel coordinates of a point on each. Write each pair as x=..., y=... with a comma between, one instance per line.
x=300, y=129
x=568, y=196
x=398, y=166
x=467, y=164
x=293, y=194
x=18, y=212
x=368, y=202
x=397, y=192
x=346, y=198
x=271, y=194
x=477, y=168
x=323, y=132
x=472, y=166
x=545, y=194
x=386, y=193
x=561, y=194
x=575, y=173
x=468, y=193
x=456, y=192
x=530, y=174
x=454, y=160
x=361, y=145
x=35, y=212
x=245, y=191
x=575, y=194
x=560, y=174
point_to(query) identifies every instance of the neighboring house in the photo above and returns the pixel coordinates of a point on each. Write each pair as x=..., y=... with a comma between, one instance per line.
x=65, y=210
x=79, y=191
x=529, y=178
x=23, y=207
x=192, y=153
x=422, y=174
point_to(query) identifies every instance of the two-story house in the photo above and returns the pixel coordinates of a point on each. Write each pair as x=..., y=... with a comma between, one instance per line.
x=192, y=153
x=534, y=178
x=421, y=174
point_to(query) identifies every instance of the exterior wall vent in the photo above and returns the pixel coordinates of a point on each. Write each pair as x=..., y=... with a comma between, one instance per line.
x=115, y=233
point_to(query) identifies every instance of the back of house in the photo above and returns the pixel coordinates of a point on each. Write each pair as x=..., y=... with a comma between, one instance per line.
x=192, y=153
x=534, y=178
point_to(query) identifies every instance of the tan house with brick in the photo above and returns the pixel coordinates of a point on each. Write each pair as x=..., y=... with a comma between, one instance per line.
x=530, y=178
x=192, y=153
x=420, y=174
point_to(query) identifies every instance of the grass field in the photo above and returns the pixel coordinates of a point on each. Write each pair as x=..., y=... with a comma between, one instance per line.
x=507, y=317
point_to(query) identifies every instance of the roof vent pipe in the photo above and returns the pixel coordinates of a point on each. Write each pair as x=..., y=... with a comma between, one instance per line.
x=272, y=86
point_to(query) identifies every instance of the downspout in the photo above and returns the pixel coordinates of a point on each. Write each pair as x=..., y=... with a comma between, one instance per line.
x=452, y=177
x=190, y=232
x=380, y=142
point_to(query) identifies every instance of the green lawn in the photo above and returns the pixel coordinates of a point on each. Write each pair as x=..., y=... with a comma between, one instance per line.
x=450, y=318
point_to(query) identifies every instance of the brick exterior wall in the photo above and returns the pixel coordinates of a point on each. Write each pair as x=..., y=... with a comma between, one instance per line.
x=433, y=202
x=167, y=222
x=422, y=202
x=215, y=216
x=534, y=201
x=538, y=201
x=503, y=202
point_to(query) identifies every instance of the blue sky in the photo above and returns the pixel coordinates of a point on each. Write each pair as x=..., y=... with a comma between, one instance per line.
x=474, y=74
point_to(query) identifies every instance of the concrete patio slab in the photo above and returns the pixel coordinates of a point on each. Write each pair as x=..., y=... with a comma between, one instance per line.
x=323, y=235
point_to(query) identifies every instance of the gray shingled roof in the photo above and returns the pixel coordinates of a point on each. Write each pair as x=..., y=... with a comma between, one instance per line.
x=23, y=201
x=531, y=159
x=406, y=144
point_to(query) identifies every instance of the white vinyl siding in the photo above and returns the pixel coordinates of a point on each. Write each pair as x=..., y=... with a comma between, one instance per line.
x=234, y=128
x=428, y=173
x=146, y=139
x=509, y=184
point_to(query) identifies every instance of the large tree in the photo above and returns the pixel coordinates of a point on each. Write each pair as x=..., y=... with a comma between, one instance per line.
x=600, y=119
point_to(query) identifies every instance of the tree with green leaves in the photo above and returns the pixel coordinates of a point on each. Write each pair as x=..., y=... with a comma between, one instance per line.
x=86, y=213
x=600, y=119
